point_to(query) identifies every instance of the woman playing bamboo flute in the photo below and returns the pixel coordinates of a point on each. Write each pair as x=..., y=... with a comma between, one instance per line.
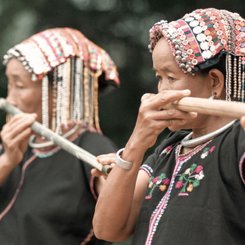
x=192, y=189
x=47, y=196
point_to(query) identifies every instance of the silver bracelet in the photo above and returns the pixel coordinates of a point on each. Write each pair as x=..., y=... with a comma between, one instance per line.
x=122, y=163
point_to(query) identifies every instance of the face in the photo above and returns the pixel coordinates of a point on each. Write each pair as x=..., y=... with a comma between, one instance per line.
x=22, y=91
x=171, y=77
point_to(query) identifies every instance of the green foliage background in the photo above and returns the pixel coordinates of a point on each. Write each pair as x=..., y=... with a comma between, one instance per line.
x=119, y=26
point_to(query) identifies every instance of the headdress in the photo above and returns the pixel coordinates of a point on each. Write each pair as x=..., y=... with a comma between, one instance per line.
x=75, y=66
x=200, y=38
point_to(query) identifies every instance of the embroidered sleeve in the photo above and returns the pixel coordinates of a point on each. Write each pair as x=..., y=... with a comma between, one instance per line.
x=163, y=149
x=242, y=168
x=241, y=154
x=147, y=169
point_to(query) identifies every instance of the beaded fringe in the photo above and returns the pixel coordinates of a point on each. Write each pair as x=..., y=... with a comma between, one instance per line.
x=235, y=78
x=74, y=96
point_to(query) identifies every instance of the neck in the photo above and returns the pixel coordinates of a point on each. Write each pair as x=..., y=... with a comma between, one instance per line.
x=210, y=125
x=190, y=142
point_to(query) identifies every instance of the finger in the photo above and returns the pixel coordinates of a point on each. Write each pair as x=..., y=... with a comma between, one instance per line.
x=20, y=116
x=106, y=158
x=171, y=114
x=170, y=96
x=163, y=99
x=146, y=96
x=12, y=143
x=17, y=125
x=96, y=173
x=242, y=121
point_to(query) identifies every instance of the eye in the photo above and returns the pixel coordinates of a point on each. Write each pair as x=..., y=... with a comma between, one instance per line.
x=19, y=86
x=171, y=79
x=159, y=78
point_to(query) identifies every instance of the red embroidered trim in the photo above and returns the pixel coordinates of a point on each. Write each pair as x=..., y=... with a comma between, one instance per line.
x=242, y=168
x=88, y=237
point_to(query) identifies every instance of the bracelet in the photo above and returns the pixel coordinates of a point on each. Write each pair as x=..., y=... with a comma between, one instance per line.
x=122, y=163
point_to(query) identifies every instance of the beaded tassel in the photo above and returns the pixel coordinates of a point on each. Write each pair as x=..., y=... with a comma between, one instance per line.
x=243, y=80
x=63, y=102
x=67, y=88
x=228, y=77
x=77, y=87
x=235, y=78
x=45, y=102
x=59, y=101
x=54, y=91
x=91, y=99
x=72, y=84
x=86, y=94
x=239, y=79
x=95, y=102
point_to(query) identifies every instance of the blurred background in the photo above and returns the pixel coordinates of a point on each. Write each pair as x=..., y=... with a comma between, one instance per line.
x=120, y=26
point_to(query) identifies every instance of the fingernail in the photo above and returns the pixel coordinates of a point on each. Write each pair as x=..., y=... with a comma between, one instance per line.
x=194, y=114
x=170, y=112
x=186, y=92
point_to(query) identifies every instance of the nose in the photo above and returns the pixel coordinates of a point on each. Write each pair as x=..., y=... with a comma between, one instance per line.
x=11, y=97
x=163, y=86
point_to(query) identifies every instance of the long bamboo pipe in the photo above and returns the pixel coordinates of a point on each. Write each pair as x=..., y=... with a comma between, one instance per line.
x=58, y=140
x=230, y=109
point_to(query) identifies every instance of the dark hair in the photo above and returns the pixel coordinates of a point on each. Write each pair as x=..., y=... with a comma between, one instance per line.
x=218, y=62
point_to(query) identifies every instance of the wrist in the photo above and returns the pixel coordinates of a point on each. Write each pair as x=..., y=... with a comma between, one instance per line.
x=124, y=164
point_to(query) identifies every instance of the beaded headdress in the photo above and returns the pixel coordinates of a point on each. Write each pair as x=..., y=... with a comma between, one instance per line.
x=74, y=66
x=200, y=38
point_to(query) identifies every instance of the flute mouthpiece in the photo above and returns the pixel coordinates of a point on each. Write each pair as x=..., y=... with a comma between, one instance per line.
x=2, y=103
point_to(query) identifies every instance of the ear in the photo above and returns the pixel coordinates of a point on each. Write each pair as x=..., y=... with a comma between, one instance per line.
x=217, y=79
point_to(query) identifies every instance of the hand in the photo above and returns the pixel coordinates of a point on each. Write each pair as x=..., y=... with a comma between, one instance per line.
x=242, y=121
x=15, y=135
x=99, y=177
x=105, y=159
x=155, y=114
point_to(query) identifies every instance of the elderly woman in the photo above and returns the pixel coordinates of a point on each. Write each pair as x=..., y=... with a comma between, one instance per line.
x=47, y=196
x=191, y=190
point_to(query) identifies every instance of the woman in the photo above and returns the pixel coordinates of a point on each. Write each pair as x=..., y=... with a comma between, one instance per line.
x=47, y=196
x=191, y=190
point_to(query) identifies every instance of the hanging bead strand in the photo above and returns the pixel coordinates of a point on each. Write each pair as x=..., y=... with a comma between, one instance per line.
x=45, y=102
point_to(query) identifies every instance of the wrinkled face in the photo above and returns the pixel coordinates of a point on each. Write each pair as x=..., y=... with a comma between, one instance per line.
x=22, y=91
x=171, y=77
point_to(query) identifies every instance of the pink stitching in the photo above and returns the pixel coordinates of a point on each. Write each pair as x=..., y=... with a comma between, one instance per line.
x=241, y=167
x=11, y=203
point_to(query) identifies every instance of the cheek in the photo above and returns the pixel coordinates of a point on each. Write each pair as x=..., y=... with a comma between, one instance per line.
x=201, y=91
x=30, y=102
x=163, y=85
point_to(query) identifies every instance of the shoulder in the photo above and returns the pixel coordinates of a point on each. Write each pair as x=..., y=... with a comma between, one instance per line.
x=234, y=138
x=96, y=143
x=166, y=146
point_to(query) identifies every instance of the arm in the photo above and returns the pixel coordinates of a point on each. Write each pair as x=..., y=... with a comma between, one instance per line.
x=243, y=122
x=121, y=197
x=15, y=134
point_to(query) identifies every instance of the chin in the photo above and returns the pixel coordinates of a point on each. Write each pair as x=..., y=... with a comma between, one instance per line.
x=175, y=128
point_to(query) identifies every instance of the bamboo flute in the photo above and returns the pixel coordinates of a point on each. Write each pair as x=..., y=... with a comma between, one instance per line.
x=58, y=140
x=230, y=109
